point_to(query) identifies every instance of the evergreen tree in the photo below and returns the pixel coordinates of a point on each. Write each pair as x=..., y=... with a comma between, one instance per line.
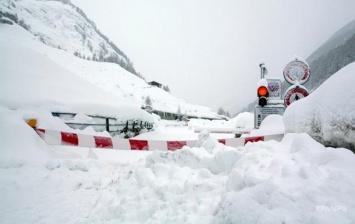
x=221, y=111
x=179, y=113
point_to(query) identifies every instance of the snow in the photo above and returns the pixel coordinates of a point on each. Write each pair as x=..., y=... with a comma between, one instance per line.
x=243, y=120
x=54, y=23
x=272, y=124
x=328, y=114
x=76, y=85
x=297, y=180
x=262, y=82
x=297, y=58
x=28, y=85
x=59, y=24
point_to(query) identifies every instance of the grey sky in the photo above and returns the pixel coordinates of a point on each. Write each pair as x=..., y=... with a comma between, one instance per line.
x=208, y=51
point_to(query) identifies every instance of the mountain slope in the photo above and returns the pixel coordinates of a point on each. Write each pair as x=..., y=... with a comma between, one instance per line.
x=333, y=55
x=62, y=25
x=39, y=81
x=111, y=85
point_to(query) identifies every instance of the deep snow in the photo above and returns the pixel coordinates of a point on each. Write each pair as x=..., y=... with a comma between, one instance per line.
x=42, y=60
x=296, y=180
x=328, y=114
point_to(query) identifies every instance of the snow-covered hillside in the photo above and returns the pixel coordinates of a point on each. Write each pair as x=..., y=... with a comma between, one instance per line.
x=53, y=76
x=336, y=40
x=61, y=25
x=31, y=76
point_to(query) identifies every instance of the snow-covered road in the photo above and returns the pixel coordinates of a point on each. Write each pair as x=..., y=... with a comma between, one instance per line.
x=296, y=180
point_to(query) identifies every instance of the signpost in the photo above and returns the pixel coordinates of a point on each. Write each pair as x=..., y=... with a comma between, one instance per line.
x=269, y=94
x=274, y=87
x=261, y=112
x=295, y=93
x=296, y=73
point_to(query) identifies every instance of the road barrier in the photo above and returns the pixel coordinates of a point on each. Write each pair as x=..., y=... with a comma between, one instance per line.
x=102, y=123
x=53, y=137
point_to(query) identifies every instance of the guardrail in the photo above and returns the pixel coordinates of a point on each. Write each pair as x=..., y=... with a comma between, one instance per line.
x=101, y=123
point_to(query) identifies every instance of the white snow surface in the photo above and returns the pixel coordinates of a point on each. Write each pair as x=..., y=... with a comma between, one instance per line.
x=57, y=24
x=32, y=75
x=328, y=114
x=60, y=26
x=296, y=180
x=243, y=120
x=65, y=83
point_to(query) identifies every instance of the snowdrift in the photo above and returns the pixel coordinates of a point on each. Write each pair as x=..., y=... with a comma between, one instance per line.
x=68, y=32
x=31, y=76
x=294, y=181
x=328, y=114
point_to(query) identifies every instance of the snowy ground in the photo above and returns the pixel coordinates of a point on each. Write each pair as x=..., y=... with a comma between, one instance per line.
x=296, y=180
x=293, y=181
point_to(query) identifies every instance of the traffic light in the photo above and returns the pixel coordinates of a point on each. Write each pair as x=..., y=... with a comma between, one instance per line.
x=263, y=94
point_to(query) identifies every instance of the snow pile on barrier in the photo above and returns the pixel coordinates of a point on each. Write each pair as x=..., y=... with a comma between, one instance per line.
x=328, y=114
x=16, y=151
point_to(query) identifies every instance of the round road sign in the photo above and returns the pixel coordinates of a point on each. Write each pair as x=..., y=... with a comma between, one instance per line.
x=295, y=93
x=296, y=71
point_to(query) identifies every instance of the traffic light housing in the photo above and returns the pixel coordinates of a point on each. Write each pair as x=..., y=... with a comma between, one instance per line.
x=263, y=94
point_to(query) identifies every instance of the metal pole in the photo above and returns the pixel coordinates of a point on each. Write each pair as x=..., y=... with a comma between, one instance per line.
x=107, y=125
x=262, y=70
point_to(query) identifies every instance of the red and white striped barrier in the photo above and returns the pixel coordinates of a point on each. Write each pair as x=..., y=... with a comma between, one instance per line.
x=52, y=137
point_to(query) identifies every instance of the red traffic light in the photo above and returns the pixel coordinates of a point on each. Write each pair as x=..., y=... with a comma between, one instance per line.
x=262, y=91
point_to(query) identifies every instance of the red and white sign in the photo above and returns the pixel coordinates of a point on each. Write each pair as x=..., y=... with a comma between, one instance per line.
x=295, y=93
x=296, y=72
x=53, y=137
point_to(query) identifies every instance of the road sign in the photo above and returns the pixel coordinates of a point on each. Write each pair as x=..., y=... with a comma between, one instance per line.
x=261, y=112
x=297, y=71
x=274, y=87
x=295, y=93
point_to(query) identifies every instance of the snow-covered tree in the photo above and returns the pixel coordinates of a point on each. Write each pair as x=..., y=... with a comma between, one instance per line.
x=166, y=88
x=221, y=111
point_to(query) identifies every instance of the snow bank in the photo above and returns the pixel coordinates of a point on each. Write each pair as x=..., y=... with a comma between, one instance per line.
x=295, y=181
x=272, y=124
x=243, y=120
x=19, y=143
x=46, y=184
x=328, y=114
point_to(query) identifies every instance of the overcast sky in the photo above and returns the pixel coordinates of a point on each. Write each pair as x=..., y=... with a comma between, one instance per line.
x=208, y=51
